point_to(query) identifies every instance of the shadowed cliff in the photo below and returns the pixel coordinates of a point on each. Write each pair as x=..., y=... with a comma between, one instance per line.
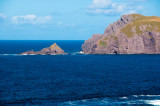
x=132, y=34
x=52, y=50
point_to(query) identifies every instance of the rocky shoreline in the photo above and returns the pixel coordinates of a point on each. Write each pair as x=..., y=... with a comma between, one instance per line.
x=52, y=50
x=132, y=34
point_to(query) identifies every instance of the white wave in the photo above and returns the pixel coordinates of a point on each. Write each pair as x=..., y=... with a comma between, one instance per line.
x=110, y=101
x=71, y=103
x=124, y=97
x=24, y=54
x=75, y=53
x=81, y=52
x=146, y=95
x=9, y=54
x=39, y=54
x=32, y=54
x=135, y=96
x=153, y=102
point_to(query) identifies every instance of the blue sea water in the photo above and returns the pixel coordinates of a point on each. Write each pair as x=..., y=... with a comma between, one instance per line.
x=76, y=79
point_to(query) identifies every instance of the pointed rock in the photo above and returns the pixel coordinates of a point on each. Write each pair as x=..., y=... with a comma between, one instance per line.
x=56, y=48
x=52, y=50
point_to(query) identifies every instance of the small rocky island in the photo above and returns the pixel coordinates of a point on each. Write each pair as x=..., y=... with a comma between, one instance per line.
x=132, y=34
x=52, y=50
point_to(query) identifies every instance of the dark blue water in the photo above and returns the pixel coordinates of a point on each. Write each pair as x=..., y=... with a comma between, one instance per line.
x=16, y=47
x=76, y=79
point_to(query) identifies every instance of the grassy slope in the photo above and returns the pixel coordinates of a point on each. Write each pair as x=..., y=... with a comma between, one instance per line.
x=152, y=23
x=104, y=40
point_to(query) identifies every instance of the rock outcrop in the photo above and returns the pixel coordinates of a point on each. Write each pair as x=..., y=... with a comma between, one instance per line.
x=132, y=34
x=52, y=50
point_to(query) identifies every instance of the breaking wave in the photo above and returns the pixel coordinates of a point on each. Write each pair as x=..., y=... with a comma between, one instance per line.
x=130, y=100
x=9, y=55
x=74, y=53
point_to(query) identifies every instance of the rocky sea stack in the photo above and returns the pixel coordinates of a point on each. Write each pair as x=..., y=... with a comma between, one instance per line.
x=52, y=50
x=132, y=34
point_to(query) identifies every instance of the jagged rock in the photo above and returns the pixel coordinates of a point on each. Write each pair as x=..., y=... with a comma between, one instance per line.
x=89, y=44
x=52, y=50
x=132, y=34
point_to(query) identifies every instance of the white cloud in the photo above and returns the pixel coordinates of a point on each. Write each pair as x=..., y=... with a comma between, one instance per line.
x=137, y=0
x=2, y=16
x=100, y=3
x=31, y=19
x=59, y=23
x=108, y=7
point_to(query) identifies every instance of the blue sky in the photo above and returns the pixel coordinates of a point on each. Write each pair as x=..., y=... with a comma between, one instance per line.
x=65, y=19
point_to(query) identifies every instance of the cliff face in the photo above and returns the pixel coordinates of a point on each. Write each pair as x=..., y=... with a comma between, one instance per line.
x=52, y=50
x=132, y=34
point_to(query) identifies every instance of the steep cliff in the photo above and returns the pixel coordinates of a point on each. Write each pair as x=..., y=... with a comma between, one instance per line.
x=132, y=34
x=52, y=50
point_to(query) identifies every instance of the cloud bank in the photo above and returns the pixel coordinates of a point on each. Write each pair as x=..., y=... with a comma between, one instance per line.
x=108, y=7
x=2, y=17
x=31, y=19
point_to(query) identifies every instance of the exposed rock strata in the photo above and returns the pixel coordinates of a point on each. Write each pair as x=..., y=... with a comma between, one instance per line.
x=132, y=34
x=52, y=50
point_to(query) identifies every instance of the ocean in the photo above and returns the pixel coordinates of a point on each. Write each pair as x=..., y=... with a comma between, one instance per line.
x=76, y=79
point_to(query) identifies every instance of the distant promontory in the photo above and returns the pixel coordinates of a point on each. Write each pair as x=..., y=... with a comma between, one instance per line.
x=52, y=50
x=132, y=34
